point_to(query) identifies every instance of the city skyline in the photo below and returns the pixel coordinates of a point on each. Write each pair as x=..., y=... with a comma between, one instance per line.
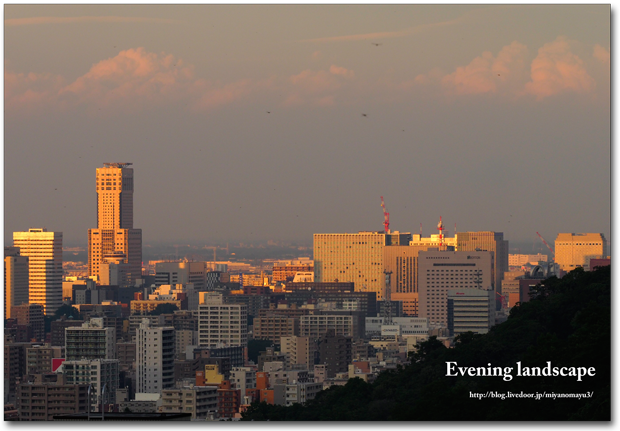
x=243, y=127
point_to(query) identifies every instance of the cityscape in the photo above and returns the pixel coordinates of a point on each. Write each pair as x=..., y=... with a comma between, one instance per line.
x=309, y=268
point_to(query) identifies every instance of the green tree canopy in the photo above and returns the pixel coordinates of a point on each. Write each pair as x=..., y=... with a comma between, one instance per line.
x=566, y=322
x=164, y=309
x=68, y=311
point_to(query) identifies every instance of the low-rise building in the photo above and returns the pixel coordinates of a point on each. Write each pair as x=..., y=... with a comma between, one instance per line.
x=200, y=401
x=43, y=398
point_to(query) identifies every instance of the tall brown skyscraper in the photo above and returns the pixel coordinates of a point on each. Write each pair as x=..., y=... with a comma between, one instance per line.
x=115, y=240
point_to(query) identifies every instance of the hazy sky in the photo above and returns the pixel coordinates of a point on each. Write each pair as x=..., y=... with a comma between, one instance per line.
x=247, y=123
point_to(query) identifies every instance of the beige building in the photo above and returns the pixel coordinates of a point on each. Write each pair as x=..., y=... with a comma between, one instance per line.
x=221, y=324
x=15, y=280
x=299, y=350
x=402, y=262
x=523, y=259
x=316, y=325
x=574, y=250
x=181, y=273
x=200, y=401
x=433, y=241
x=44, y=250
x=283, y=272
x=440, y=271
x=351, y=257
x=115, y=240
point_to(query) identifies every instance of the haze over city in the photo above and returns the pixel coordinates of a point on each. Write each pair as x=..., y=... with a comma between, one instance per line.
x=248, y=123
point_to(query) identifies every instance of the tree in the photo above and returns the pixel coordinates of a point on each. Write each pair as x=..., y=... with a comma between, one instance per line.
x=426, y=348
x=255, y=347
x=68, y=311
x=164, y=309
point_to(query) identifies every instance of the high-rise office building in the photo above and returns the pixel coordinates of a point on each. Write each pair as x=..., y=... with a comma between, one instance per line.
x=15, y=279
x=351, y=257
x=115, y=240
x=574, y=250
x=44, y=252
x=440, y=271
x=487, y=241
x=355, y=258
x=402, y=262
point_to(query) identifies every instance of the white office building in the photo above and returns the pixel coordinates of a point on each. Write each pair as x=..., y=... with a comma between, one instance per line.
x=221, y=324
x=155, y=353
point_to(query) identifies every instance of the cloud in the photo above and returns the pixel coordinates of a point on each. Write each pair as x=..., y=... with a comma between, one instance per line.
x=557, y=70
x=336, y=70
x=29, y=91
x=217, y=94
x=488, y=74
x=601, y=54
x=133, y=79
x=77, y=19
x=317, y=87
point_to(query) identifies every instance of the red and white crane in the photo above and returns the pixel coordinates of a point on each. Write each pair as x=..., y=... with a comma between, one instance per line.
x=440, y=228
x=386, y=217
x=545, y=242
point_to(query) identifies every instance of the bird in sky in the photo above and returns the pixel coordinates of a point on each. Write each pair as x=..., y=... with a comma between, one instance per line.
x=376, y=44
x=364, y=115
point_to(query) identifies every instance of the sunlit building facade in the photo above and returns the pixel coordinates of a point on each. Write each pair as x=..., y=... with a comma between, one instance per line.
x=487, y=241
x=574, y=250
x=115, y=240
x=351, y=257
x=44, y=252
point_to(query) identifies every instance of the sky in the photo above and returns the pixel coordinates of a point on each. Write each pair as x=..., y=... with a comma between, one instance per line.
x=254, y=122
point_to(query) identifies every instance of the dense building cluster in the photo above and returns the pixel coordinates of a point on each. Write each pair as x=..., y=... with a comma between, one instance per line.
x=203, y=340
